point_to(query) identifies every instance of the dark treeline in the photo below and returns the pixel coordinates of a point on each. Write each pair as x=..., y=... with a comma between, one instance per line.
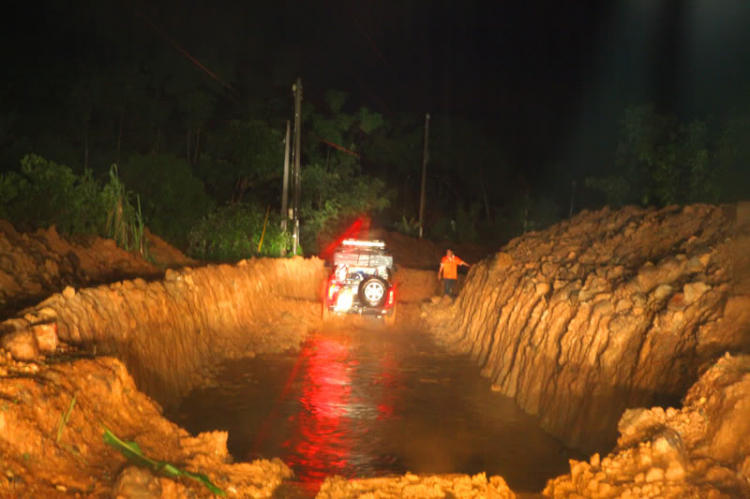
x=199, y=150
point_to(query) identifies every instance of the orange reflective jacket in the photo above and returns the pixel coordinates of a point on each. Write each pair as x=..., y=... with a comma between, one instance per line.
x=450, y=266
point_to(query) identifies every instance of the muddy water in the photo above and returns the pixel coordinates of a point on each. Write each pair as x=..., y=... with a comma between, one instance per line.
x=373, y=402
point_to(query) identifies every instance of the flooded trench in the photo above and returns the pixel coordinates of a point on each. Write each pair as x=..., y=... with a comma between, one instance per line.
x=366, y=402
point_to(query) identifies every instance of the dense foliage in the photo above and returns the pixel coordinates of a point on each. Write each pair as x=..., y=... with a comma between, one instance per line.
x=662, y=161
x=237, y=231
x=172, y=198
x=334, y=189
x=200, y=153
x=45, y=193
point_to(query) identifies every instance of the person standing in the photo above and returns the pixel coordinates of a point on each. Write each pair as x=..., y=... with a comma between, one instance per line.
x=449, y=270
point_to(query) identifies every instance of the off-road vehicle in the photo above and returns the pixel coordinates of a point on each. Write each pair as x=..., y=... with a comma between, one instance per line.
x=361, y=281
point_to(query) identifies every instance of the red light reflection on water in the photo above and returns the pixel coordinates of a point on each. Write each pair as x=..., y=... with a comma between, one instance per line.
x=320, y=445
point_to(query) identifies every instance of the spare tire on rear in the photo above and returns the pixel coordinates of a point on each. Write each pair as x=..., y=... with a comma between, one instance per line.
x=373, y=291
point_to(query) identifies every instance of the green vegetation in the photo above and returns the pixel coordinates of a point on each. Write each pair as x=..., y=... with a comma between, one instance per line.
x=173, y=200
x=125, y=222
x=64, y=418
x=200, y=158
x=45, y=193
x=233, y=232
x=334, y=188
x=214, y=204
x=133, y=452
x=662, y=161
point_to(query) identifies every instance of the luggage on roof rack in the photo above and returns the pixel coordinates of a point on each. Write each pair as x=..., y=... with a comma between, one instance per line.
x=363, y=244
x=357, y=253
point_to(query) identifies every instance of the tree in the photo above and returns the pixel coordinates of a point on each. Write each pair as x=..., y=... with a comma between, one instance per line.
x=243, y=157
x=661, y=161
x=172, y=198
x=732, y=159
x=334, y=189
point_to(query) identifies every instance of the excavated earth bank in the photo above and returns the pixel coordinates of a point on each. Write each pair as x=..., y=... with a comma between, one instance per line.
x=699, y=451
x=607, y=311
x=169, y=333
x=32, y=266
x=651, y=266
x=40, y=456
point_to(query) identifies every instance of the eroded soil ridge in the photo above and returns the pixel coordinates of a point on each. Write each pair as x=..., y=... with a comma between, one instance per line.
x=701, y=450
x=169, y=331
x=34, y=265
x=607, y=311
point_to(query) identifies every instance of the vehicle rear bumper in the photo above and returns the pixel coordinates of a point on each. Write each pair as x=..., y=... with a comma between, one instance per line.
x=377, y=312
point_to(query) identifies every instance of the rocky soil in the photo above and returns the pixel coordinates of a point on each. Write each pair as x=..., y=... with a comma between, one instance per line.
x=170, y=331
x=45, y=454
x=607, y=311
x=699, y=451
x=415, y=486
x=32, y=266
x=425, y=254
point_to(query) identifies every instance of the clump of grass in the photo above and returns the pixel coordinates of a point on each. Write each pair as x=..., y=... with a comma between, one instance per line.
x=64, y=417
x=237, y=231
x=125, y=223
x=132, y=451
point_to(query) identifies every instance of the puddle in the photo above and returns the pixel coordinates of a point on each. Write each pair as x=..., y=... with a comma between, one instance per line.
x=368, y=403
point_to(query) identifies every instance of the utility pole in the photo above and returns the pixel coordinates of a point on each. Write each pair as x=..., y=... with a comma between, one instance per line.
x=297, y=88
x=572, y=197
x=425, y=159
x=285, y=185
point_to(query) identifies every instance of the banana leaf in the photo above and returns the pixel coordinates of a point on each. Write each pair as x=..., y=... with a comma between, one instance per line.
x=133, y=452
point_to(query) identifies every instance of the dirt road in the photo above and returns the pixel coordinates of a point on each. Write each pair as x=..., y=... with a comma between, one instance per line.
x=368, y=401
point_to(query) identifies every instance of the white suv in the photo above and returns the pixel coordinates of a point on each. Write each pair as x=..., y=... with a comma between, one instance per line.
x=361, y=281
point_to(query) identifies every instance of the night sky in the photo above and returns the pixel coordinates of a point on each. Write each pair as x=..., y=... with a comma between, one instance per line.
x=548, y=79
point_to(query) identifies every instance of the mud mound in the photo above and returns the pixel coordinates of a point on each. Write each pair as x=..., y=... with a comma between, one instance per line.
x=607, y=311
x=165, y=255
x=169, y=331
x=34, y=265
x=418, y=253
x=42, y=456
x=701, y=450
x=416, y=486
x=413, y=285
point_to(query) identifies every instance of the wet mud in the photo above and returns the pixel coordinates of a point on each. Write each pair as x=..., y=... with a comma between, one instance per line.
x=367, y=402
x=607, y=311
x=586, y=325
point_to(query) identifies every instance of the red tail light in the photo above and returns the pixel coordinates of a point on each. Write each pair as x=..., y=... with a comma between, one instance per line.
x=333, y=291
x=391, y=297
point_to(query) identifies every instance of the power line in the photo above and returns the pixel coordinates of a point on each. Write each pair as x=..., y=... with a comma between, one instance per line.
x=337, y=146
x=371, y=42
x=183, y=51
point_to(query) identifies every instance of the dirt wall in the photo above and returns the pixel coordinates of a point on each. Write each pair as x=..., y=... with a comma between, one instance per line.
x=425, y=254
x=699, y=450
x=415, y=286
x=35, y=265
x=606, y=311
x=169, y=331
x=44, y=454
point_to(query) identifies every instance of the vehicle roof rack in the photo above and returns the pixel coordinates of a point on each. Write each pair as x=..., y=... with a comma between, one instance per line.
x=363, y=253
x=363, y=244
